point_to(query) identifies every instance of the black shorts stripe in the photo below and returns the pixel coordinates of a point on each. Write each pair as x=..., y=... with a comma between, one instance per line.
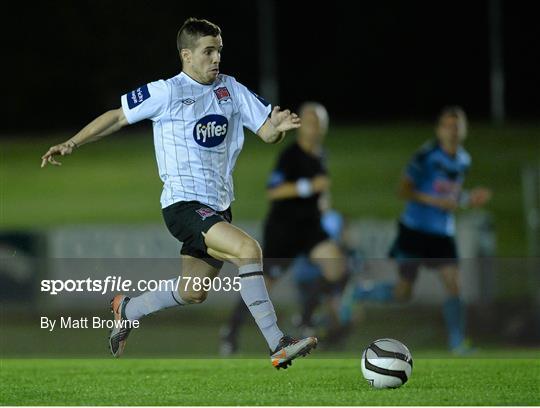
x=246, y=275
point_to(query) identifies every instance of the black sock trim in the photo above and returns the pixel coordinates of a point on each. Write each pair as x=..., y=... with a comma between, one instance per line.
x=246, y=275
x=174, y=298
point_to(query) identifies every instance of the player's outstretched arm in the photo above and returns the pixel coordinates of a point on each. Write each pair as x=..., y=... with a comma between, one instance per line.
x=407, y=191
x=103, y=125
x=274, y=128
x=302, y=188
x=479, y=196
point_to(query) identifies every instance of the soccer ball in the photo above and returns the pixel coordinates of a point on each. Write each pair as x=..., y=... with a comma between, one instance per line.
x=386, y=363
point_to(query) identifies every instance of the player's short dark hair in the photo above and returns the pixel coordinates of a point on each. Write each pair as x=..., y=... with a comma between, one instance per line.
x=458, y=113
x=193, y=29
x=452, y=110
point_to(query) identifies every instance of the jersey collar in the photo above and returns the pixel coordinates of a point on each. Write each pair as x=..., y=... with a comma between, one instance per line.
x=194, y=82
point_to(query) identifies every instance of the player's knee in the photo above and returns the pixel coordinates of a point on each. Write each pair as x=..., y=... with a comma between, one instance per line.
x=450, y=276
x=195, y=297
x=333, y=272
x=453, y=290
x=250, y=250
x=403, y=296
x=403, y=292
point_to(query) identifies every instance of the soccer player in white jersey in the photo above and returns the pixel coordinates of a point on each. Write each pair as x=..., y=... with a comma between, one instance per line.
x=198, y=119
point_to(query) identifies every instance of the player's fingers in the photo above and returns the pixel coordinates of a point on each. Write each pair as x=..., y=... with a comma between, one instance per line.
x=290, y=125
x=295, y=121
x=53, y=161
x=48, y=153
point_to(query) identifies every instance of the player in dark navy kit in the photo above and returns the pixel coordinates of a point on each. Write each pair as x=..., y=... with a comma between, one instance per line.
x=293, y=225
x=432, y=186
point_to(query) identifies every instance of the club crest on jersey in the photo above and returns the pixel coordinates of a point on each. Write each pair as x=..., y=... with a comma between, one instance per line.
x=205, y=212
x=137, y=96
x=211, y=130
x=222, y=94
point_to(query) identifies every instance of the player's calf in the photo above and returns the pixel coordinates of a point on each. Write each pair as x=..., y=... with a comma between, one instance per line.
x=403, y=290
x=194, y=297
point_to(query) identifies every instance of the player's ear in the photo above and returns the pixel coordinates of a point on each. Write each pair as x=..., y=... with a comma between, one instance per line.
x=185, y=55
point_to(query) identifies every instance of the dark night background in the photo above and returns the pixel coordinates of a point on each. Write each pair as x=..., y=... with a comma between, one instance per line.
x=68, y=61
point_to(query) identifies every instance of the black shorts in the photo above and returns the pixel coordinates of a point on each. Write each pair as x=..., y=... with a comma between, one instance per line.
x=284, y=240
x=187, y=220
x=414, y=248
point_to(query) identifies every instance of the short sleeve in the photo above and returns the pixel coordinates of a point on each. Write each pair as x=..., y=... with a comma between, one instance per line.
x=465, y=160
x=281, y=173
x=254, y=110
x=415, y=169
x=146, y=102
x=276, y=178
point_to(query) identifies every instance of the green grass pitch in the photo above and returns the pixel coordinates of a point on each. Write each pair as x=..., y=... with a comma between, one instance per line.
x=310, y=381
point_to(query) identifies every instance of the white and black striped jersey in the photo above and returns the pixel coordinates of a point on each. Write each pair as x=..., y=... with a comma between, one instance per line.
x=198, y=134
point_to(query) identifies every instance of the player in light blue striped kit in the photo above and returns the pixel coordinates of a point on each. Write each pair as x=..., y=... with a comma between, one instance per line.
x=432, y=187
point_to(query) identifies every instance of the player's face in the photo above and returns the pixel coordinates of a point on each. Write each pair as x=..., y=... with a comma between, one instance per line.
x=202, y=63
x=451, y=130
x=312, y=128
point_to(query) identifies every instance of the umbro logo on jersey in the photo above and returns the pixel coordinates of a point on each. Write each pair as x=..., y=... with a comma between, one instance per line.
x=137, y=96
x=211, y=130
x=188, y=101
x=222, y=94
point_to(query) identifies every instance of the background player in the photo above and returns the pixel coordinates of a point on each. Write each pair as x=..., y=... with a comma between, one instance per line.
x=332, y=326
x=293, y=224
x=432, y=187
x=198, y=118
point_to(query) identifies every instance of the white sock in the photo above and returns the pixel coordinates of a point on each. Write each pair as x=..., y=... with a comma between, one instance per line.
x=152, y=301
x=255, y=296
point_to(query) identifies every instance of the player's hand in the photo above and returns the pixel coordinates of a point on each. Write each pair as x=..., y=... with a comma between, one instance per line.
x=320, y=184
x=284, y=120
x=61, y=149
x=479, y=196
